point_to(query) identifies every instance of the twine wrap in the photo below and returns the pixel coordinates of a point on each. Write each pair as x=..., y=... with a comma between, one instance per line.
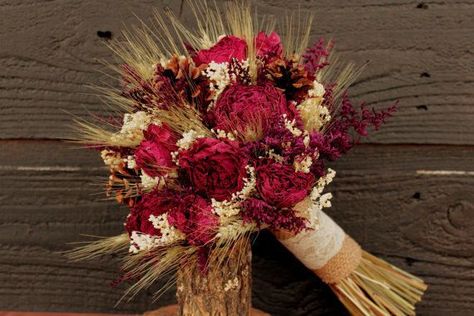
x=326, y=250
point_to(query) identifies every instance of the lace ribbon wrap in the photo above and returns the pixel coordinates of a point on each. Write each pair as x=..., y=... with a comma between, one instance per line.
x=326, y=250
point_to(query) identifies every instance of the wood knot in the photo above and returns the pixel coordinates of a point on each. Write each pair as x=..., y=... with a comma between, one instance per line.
x=104, y=34
x=425, y=75
x=459, y=216
x=422, y=5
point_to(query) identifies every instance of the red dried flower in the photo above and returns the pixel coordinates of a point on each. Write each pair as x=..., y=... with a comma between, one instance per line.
x=215, y=167
x=257, y=211
x=315, y=57
x=248, y=110
x=280, y=186
x=268, y=46
x=152, y=203
x=194, y=217
x=224, y=50
x=153, y=155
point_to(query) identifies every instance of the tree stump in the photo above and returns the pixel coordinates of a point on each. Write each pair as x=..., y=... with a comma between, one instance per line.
x=225, y=289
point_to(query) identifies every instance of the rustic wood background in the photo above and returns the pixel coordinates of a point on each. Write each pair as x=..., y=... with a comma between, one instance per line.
x=406, y=194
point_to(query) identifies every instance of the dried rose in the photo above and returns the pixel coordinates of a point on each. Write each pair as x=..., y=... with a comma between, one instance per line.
x=152, y=203
x=153, y=155
x=248, y=110
x=215, y=167
x=223, y=51
x=194, y=217
x=281, y=186
x=268, y=45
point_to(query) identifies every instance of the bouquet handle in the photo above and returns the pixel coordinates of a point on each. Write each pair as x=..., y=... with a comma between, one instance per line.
x=365, y=284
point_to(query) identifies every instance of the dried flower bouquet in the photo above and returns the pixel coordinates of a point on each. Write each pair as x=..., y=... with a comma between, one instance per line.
x=226, y=130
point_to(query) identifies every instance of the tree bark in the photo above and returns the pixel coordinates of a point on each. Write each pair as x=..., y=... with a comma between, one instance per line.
x=225, y=289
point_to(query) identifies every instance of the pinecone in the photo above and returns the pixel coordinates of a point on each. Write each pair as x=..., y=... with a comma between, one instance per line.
x=291, y=77
x=187, y=79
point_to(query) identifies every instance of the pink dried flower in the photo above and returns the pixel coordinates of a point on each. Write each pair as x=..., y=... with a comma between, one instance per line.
x=193, y=216
x=248, y=109
x=268, y=46
x=215, y=167
x=257, y=211
x=315, y=57
x=224, y=50
x=153, y=155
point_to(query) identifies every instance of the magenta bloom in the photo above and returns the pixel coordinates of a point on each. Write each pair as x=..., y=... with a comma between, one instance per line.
x=242, y=108
x=281, y=186
x=257, y=211
x=223, y=51
x=153, y=155
x=215, y=167
x=194, y=217
x=152, y=203
x=268, y=45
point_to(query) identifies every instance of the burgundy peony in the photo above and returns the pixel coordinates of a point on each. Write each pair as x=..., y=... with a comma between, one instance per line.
x=153, y=155
x=194, y=217
x=215, y=167
x=268, y=45
x=280, y=186
x=152, y=203
x=223, y=51
x=248, y=110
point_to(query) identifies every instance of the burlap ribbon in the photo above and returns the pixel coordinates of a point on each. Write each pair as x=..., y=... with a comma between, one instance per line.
x=326, y=250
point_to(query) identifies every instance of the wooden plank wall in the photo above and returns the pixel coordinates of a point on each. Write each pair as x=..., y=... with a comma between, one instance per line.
x=406, y=194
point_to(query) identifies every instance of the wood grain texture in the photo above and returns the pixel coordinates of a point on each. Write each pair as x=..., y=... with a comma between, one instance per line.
x=50, y=52
x=407, y=195
x=422, y=223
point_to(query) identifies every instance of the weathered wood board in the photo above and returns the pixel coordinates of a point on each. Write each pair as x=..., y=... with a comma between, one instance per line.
x=386, y=197
x=50, y=53
x=406, y=195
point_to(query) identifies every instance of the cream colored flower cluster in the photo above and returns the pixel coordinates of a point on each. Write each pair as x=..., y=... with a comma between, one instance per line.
x=132, y=129
x=314, y=115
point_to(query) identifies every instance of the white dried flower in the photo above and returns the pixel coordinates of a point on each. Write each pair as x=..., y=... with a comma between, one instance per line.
x=290, y=125
x=313, y=114
x=303, y=165
x=249, y=185
x=232, y=284
x=140, y=242
x=169, y=233
x=188, y=139
x=322, y=183
x=223, y=134
x=325, y=200
x=317, y=91
x=218, y=74
x=133, y=126
x=306, y=141
x=271, y=154
x=225, y=208
x=111, y=158
x=131, y=163
x=148, y=183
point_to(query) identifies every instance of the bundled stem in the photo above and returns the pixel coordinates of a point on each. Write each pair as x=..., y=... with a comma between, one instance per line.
x=380, y=289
